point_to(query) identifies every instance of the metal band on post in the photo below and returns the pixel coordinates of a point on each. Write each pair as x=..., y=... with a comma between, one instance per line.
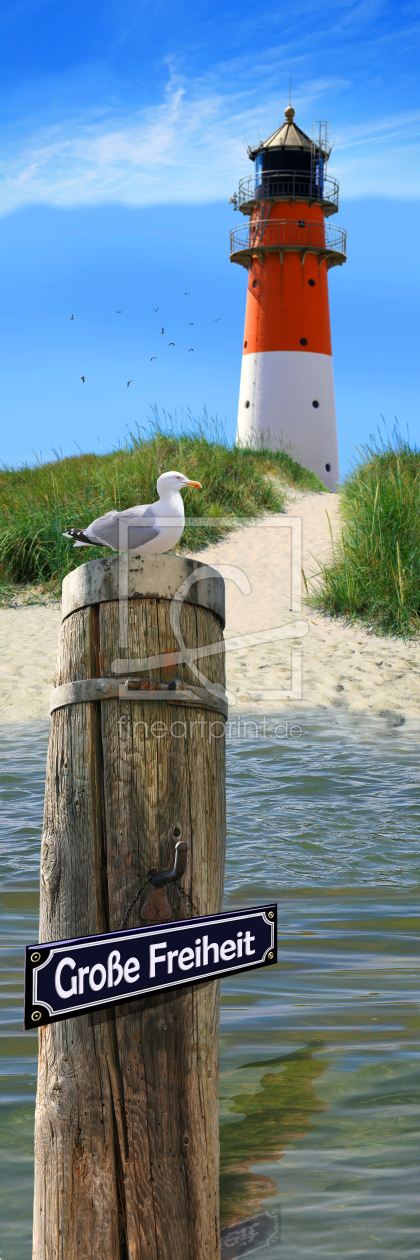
x=89, y=690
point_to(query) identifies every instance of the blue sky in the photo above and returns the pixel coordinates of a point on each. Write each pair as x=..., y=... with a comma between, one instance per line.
x=122, y=137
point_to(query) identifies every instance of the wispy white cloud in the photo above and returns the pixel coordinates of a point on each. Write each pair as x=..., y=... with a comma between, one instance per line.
x=189, y=147
x=400, y=127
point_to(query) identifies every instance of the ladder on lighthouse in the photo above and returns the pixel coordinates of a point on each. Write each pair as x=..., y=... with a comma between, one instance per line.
x=258, y=227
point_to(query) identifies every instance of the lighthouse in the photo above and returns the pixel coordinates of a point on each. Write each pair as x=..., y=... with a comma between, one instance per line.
x=286, y=395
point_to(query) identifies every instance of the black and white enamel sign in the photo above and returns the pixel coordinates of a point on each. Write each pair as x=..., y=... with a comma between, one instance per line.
x=68, y=978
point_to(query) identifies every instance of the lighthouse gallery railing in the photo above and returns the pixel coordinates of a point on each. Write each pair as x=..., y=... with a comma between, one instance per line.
x=289, y=184
x=288, y=234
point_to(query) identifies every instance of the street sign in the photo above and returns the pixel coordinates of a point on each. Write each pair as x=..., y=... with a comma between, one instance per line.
x=69, y=978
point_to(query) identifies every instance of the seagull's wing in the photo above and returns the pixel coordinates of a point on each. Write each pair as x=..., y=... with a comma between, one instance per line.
x=95, y=528
x=132, y=534
x=135, y=515
x=137, y=536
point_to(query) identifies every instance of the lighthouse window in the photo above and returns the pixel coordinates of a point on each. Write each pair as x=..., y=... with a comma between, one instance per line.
x=328, y=468
x=301, y=223
x=245, y=344
x=254, y=284
x=304, y=341
x=312, y=283
x=315, y=403
x=246, y=404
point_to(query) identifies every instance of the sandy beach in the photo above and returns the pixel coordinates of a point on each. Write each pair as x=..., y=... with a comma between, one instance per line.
x=281, y=655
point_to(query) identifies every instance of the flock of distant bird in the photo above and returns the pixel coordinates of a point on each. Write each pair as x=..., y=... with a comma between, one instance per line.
x=171, y=343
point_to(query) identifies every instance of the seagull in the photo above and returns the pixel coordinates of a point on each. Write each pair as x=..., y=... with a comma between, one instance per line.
x=191, y=350
x=189, y=325
x=71, y=316
x=163, y=330
x=83, y=378
x=130, y=382
x=155, y=308
x=187, y=294
x=171, y=343
x=216, y=321
x=150, y=527
x=153, y=357
x=118, y=312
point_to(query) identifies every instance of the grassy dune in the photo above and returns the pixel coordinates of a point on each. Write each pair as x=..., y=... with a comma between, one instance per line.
x=38, y=503
x=375, y=570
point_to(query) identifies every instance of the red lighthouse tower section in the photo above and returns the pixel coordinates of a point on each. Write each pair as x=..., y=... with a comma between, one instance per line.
x=287, y=386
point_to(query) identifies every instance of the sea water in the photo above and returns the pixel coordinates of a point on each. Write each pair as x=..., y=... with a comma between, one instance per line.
x=319, y=1056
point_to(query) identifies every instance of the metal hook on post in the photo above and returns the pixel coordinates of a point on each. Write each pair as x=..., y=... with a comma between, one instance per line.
x=156, y=908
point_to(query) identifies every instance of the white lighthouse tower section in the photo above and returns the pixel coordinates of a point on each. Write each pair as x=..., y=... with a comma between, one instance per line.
x=287, y=399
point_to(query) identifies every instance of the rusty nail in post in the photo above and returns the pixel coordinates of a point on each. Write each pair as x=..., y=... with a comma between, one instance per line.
x=141, y=684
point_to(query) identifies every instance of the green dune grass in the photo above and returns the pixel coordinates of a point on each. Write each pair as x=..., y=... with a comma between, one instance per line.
x=375, y=570
x=38, y=503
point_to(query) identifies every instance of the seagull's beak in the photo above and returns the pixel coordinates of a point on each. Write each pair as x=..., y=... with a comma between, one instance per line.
x=197, y=484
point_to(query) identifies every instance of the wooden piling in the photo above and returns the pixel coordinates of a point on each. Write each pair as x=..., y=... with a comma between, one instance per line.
x=126, y=1133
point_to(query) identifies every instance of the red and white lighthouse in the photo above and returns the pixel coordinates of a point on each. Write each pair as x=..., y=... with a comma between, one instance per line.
x=287, y=382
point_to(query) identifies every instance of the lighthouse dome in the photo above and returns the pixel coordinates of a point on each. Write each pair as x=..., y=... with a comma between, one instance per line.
x=288, y=136
x=289, y=164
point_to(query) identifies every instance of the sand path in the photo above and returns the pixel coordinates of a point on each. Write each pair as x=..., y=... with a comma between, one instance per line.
x=281, y=655
x=333, y=664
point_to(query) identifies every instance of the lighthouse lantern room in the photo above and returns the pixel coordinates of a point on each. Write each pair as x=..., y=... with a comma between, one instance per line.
x=286, y=395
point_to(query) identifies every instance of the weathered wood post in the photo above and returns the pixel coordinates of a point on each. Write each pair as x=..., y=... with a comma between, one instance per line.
x=126, y=1135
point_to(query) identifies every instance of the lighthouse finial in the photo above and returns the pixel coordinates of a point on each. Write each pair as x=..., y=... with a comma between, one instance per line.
x=289, y=112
